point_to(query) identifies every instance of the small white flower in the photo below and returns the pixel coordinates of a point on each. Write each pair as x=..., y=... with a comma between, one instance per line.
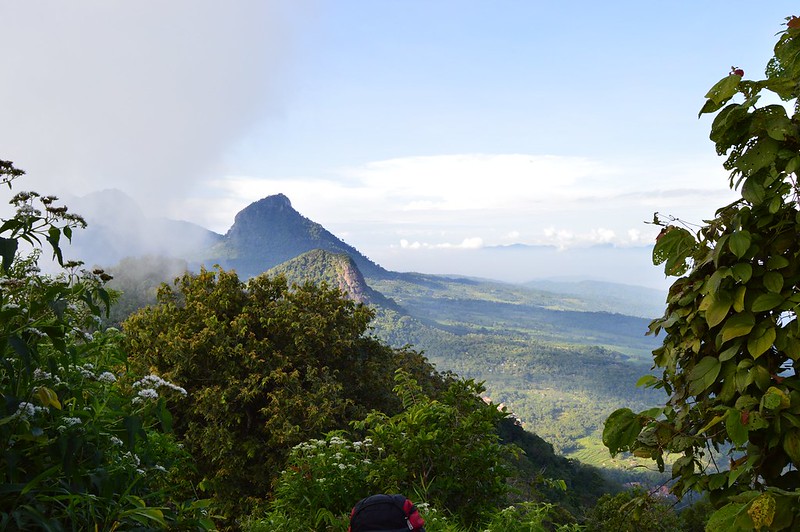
x=27, y=410
x=70, y=421
x=148, y=393
x=40, y=375
x=107, y=377
x=115, y=441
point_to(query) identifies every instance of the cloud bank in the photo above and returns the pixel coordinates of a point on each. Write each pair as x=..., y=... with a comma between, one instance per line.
x=147, y=96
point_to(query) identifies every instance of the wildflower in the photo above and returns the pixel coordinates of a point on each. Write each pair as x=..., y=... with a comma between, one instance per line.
x=115, y=441
x=155, y=382
x=107, y=377
x=39, y=375
x=27, y=410
x=70, y=421
x=143, y=395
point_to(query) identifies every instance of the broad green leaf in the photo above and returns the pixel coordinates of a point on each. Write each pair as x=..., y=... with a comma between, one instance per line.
x=715, y=280
x=760, y=155
x=761, y=377
x=778, y=124
x=767, y=302
x=717, y=305
x=742, y=271
x=716, y=481
x=709, y=107
x=738, y=325
x=761, y=339
x=762, y=511
x=776, y=262
x=620, y=430
x=773, y=281
x=743, y=379
x=791, y=444
x=753, y=191
x=703, y=375
x=739, y=243
x=724, y=89
x=791, y=418
x=715, y=421
x=737, y=432
x=775, y=399
x=8, y=249
x=723, y=519
x=646, y=380
x=673, y=247
x=738, y=298
x=730, y=352
x=793, y=165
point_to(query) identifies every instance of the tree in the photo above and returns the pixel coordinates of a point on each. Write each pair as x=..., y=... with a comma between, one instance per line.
x=267, y=366
x=732, y=335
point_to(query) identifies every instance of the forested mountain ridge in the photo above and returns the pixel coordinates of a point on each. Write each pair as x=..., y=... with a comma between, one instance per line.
x=269, y=232
x=338, y=270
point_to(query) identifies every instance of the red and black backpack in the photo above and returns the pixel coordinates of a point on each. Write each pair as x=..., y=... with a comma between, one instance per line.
x=385, y=513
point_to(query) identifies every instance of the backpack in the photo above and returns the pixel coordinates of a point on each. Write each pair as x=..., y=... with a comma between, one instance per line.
x=386, y=513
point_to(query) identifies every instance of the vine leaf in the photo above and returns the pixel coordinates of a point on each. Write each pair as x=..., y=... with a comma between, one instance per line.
x=704, y=374
x=620, y=430
x=761, y=339
x=674, y=246
x=738, y=325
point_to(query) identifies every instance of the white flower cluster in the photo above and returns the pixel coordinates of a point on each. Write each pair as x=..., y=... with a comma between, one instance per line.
x=107, y=377
x=27, y=210
x=41, y=375
x=86, y=371
x=68, y=422
x=149, y=386
x=27, y=410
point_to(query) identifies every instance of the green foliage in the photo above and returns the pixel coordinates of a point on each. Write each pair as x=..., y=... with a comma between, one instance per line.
x=446, y=450
x=632, y=511
x=267, y=367
x=442, y=451
x=732, y=343
x=86, y=443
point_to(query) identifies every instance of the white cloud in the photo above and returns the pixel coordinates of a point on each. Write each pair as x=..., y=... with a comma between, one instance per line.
x=444, y=201
x=146, y=96
x=467, y=243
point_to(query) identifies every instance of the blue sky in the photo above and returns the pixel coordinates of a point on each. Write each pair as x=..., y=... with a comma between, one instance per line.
x=411, y=129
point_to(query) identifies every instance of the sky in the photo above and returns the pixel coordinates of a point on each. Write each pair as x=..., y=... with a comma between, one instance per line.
x=416, y=130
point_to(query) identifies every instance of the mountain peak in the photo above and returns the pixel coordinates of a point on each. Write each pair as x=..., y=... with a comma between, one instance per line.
x=275, y=201
x=269, y=232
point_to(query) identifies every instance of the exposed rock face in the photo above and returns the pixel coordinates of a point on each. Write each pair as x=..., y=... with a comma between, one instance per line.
x=336, y=269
